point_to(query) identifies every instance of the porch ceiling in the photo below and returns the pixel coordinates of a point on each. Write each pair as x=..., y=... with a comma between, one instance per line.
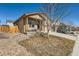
x=35, y=17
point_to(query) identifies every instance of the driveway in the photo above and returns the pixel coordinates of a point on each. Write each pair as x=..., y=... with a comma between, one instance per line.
x=4, y=36
x=9, y=45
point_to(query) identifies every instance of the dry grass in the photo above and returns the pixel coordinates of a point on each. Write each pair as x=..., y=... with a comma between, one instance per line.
x=52, y=46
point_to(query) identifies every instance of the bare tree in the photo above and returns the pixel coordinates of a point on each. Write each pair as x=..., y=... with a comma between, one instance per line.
x=55, y=11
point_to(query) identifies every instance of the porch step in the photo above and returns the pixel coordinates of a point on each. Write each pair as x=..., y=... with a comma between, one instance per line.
x=31, y=34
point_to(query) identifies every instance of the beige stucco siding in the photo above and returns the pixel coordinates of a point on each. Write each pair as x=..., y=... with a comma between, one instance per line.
x=21, y=26
x=36, y=17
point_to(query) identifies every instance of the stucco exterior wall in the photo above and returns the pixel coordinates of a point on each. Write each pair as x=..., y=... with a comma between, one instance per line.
x=21, y=26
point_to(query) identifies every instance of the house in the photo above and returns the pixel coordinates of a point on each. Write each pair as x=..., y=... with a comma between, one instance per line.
x=65, y=28
x=76, y=30
x=9, y=22
x=62, y=27
x=33, y=22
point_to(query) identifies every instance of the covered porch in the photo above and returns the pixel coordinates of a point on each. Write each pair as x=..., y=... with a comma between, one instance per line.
x=33, y=24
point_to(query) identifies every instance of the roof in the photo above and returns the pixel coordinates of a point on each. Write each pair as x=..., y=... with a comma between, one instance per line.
x=26, y=15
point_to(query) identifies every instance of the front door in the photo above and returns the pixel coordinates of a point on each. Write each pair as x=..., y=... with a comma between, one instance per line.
x=33, y=26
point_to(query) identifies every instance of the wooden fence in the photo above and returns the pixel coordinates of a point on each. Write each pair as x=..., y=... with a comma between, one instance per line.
x=9, y=29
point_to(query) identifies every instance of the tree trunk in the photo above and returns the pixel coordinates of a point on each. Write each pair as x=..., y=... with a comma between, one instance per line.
x=55, y=28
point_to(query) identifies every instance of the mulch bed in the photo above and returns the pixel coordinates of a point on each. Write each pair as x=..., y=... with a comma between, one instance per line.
x=48, y=46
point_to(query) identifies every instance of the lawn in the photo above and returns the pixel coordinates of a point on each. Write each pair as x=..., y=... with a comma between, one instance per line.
x=52, y=46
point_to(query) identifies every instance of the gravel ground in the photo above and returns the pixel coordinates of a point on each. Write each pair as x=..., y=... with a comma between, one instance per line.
x=9, y=45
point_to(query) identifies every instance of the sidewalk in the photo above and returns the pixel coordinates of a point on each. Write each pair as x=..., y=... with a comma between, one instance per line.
x=63, y=35
x=76, y=47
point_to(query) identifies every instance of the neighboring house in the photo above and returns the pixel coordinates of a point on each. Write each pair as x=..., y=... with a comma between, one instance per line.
x=64, y=28
x=76, y=30
x=33, y=22
x=9, y=22
x=68, y=29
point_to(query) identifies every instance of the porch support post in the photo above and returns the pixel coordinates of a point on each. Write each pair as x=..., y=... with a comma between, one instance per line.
x=40, y=26
x=26, y=20
x=26, y=25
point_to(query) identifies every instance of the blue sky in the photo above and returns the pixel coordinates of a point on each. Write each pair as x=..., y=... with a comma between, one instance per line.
x=14, y=11
x=73, y=14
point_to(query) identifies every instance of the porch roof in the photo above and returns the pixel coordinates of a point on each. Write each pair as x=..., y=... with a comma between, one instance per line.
x=34, y=15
